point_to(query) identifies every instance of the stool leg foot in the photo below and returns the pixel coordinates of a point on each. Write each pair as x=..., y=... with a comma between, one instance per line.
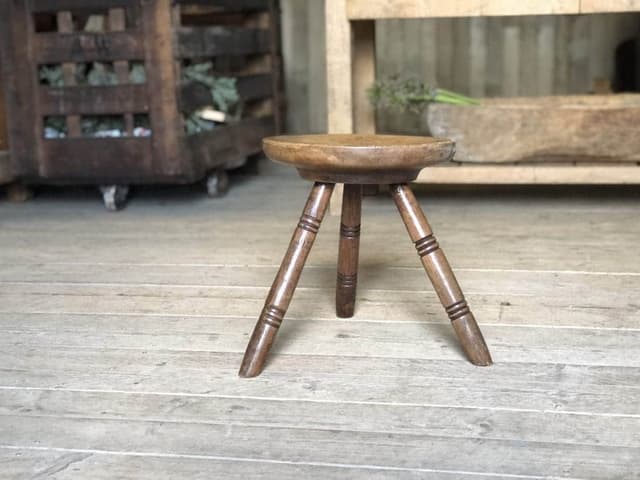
x=441, y=276
x=348, y=251
x=286, y=280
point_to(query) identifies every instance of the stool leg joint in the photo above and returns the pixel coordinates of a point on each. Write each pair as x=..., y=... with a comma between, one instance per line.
x=426, y=245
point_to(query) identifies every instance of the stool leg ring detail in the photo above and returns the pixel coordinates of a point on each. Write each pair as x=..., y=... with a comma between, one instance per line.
x=439, y=272
x=286, y=280
x=348, y=251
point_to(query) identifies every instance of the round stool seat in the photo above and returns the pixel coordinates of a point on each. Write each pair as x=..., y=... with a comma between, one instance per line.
x=345, y=158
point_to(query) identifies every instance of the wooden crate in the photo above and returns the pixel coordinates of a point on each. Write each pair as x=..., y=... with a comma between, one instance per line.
x=240, y=36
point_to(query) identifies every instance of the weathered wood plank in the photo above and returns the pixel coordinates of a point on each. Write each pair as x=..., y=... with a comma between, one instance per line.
x=379, y=306
x=65, y=25
x=20, y=86
x=513, y=174
x=122, y=336
x=548, y=129
x=88, y=47
x=40, y=6
x=368, y=9
x=563, y=241
x=339, y=74
x=523, y=288
x=4, y=140
x=599, y=6
x=61, y=161
x=214, y=41
x=378, y=450
x=166, y=124
x=229, y=5
x=115, y=99
x=399, y=419
x=20, y=461
x=572, y=389
x=229, y=146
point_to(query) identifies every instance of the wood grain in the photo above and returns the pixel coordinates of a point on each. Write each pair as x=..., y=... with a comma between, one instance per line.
x=358, y=158
x=121, y=336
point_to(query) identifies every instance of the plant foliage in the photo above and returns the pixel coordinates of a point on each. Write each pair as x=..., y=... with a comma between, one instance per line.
x=412, y=94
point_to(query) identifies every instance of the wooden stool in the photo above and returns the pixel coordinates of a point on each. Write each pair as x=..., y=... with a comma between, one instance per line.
x=356, y=160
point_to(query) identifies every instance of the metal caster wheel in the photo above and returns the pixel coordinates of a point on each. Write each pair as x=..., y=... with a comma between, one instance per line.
x=218, y=183
x=114, y=196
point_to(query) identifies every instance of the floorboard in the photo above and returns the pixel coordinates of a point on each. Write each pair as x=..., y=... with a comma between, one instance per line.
x=121, y=336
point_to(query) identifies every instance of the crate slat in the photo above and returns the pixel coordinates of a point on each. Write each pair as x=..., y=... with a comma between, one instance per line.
x=44, y=6
x=215, y=41
x=96, y=159
x=88, y=47
x=94, y=100
x=228, y=5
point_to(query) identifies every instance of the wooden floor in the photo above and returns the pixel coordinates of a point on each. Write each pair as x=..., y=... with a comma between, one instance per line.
x=121, y=336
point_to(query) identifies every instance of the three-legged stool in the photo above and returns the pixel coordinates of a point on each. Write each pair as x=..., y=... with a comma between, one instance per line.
x=356, y=160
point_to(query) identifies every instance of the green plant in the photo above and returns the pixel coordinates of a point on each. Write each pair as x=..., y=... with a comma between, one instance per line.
x=224, y=91
x=224, y=96
x=412, y=94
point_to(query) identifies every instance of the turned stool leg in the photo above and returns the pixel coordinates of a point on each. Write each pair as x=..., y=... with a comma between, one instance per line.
x=441, y=275
x=348, y=251
x=286, y=280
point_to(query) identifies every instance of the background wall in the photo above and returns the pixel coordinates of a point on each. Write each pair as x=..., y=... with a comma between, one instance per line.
x=498, y=56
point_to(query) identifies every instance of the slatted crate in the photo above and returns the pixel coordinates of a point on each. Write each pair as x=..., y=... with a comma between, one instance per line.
x=240, y=36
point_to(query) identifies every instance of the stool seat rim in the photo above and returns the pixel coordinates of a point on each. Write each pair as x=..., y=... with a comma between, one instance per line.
x=374, y=154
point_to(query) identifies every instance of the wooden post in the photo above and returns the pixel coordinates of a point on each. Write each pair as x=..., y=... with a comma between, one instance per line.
x=25, y=127
x=162, y=84
x=350, y=71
